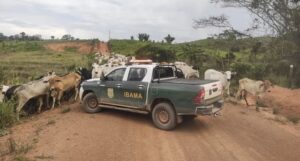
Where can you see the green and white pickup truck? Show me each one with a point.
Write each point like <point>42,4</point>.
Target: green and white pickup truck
<point>155,90</point>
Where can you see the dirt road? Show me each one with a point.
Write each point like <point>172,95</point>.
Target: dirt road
<point>240,134</point>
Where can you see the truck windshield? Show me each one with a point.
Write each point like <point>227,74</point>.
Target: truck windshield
<point>163,72</point>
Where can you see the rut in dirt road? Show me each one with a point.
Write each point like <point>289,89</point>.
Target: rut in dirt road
<point>239,135</point>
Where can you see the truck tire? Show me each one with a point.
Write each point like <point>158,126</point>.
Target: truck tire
<point>90,103</point>
<point>164,116</point>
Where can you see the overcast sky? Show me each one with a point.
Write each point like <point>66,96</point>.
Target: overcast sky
<point>95,18</point>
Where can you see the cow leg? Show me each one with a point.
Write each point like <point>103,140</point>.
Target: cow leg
<point>238,94</point>
<point>40,104</point>
<point>53,102</point>
<point>22,102</point>
<point>245,97</point>
<point>47,100</point>
<point>60,94</point>
<point>257,98</point>
<point>76,93</point>
<point>228,92</point>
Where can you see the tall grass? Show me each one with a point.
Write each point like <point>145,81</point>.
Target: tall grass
<point>7,114</point>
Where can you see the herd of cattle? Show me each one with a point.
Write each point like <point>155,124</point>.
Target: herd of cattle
<point>54,88</point>
<point>42,89</point>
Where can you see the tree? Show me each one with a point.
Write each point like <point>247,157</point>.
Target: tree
<point>194,54</point>
<point>143,37</point>
<point>255,49</point>
<point>131,38</point>
<point>52,37</point>
<point>156,52</point>
<point>22,35</point>
<point>2,37</point>
<point>281,16</point>
<point>67,37</point>
<point>169,39</point>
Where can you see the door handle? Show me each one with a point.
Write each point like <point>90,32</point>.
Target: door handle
<point>118,85</point>
<point>102,85</point>
<point>141,86</point>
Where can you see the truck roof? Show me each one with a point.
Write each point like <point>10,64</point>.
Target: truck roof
<point>144,65</point>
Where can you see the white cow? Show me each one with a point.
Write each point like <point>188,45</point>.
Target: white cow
<point>1,97</point>
<point>114,60</point>
<point>97,70</point>
<point>223,77</point>
<point>4,88</point>
<point>188,71</point>
<point>255,88</point>
<point>33,89</point>
<point>8,92</point>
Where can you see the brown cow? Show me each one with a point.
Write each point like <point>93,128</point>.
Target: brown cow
<point>58,85</point>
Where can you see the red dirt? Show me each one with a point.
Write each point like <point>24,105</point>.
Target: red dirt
<point>83,47</point>
<point>240,134</point>
<point>286,99</point>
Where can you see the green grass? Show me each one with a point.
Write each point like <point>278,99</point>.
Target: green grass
<point>65,110</point>
<point>23,61</point>
<point>19,67</point>
<point>127,47</point>
<point>22,158</point>
<point>293,118</point>
<point>51,122</point>
<point>71,49</point>
<point>276,110</point>
<point>7,115</point>
<point>44,157</point>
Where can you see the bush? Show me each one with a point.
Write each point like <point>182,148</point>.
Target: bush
<point>7,114</point>
<point>71,67</point>
<point>258,71</point>
<point>276,110</point>
<point>71,49</point>
<point>242,69</point>
<point>156,52</point>
<point>33,46</point>
<point>261,103</point>
<point>293,118</point>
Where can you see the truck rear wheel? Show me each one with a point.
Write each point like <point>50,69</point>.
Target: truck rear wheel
<point>90,103</point>
<point>164,116</point>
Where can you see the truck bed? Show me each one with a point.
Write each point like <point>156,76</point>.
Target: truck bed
<point>213,88</point>
<point>188,81</point>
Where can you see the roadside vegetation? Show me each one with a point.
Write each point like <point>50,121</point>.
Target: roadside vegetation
<point>257,58</point>
<point>7,116</point>
<point>22,61</point>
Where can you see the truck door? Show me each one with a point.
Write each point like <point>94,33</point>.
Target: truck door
<point>110,88</point>
<point>135,89</point>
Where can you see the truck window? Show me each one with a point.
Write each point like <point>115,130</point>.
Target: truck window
<point>137,74</point>
<point>163,72</point>
<point>116,75</point>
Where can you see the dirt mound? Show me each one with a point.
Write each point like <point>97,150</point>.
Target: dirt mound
<point>286,99</point>
<point>79,46</point>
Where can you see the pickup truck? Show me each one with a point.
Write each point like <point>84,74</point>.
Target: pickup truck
<point>152,89</point>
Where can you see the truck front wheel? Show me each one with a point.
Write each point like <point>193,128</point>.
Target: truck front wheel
<point>164,116</point>
<point>90,103</point>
